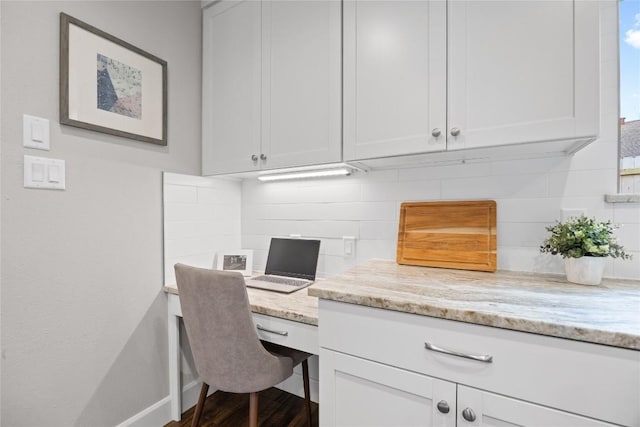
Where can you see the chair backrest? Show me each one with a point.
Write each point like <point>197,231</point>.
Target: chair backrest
<point>226,349</point>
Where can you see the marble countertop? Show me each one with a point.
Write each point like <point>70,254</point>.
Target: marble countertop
<point>297,306</point>
<point>608,314</point>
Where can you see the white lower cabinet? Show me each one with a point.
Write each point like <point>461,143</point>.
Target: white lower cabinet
<point>381,368</point>
<point>358,392</point>
<point>481,408</point>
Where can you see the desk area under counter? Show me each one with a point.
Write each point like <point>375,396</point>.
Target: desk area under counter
<point>286,319</point>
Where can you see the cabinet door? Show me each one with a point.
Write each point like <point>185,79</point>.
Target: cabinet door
<point>488,409</point>
<point>522,71</point>
<point>394,77</point>
<point>301,83</point>
<point>357,392</point>
<point>231,87</point>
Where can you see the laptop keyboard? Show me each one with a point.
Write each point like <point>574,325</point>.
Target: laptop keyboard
<point>282,280</point>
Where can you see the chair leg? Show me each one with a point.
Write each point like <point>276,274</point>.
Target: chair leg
<point>253,410</point>
<point>200,406</point>
<point>307,397</point>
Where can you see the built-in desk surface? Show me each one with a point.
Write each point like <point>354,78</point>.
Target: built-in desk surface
<point>297,306</point>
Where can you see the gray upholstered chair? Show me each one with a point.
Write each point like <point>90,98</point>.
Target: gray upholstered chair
<point>227,352</point>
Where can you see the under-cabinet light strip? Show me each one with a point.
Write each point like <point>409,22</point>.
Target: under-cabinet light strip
<point>305,174</point>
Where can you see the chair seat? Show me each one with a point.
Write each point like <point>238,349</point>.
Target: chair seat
<point>279,350</point>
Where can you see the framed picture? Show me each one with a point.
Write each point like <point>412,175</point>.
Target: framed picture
<point>110,86</point>
<point>238,260</point>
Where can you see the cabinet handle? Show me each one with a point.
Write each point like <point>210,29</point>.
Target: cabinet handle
<point>254,157</point>
<point>455,131</point>
<point>479,357</point>
<point>263,157</point>
<point>273,331</point>
<point>436,133</point>
<point>443,407</point>
<point>469,415</point>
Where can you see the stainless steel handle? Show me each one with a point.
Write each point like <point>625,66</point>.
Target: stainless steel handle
<point>479,357</point>
<point>443,407</point>
<point>468,414</point>
<point>273,331</point>
<point>455,131</point>
<point>254,157</point>
<point>436,133</point>
<point>263,157</point>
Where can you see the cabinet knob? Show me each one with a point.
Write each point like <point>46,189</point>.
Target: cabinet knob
<point>455,131</point>
<point>254,157</point>
<point>468,414</point>
<point>443,407</point>
<point>436,133</point>
<point>263,157</point>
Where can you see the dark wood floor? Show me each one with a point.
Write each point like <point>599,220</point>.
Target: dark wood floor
<point>276,408</point>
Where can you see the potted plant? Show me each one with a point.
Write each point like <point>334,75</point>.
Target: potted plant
<point>583,243</point>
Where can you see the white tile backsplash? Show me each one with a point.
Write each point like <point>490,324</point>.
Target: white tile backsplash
<point>180,194</point>
<point>530,195</point>
<point>418,190</point>
<point>378,230</point>
<point>443,172</point>
<point>627,213</point>
<point>627,268</point>
<point>201,217</point>
<point>577,183</point>
<point>540,210</point>
<point>629,236</point>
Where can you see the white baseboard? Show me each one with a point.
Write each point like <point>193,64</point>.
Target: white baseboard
<point>159,413</point>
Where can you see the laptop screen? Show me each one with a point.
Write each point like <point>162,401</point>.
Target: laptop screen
<point>293,258</point>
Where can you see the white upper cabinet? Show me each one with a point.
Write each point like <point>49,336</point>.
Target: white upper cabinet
<point>231,82</point>
<point>394,78</point>
<point>522,71</point>
<point>301,83</point>
<point>474,73</point>
<point>272,88</point>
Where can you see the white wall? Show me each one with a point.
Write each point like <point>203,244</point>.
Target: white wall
<point>530,195</point>
<point>84,340</point>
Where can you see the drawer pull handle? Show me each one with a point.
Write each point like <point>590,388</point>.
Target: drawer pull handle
<point>469,415</point>
<point>443,407</point>
<point>481,358</point>
<point>273,331</point>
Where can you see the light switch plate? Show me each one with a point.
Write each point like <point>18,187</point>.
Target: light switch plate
<point>44,173</point>
<point>35,132</point>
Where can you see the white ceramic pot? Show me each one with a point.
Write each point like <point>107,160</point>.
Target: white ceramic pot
<point>586,270</point>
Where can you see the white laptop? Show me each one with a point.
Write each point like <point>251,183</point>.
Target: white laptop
<point>291,265</point>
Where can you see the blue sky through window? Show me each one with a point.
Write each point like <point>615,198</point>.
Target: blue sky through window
<point>630,59</point>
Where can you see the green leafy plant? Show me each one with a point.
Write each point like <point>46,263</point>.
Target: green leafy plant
<point>582,236</point>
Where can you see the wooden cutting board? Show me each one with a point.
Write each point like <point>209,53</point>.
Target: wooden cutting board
<point>460,235</point>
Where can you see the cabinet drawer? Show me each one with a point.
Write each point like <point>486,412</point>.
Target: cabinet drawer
<point>287,332</point>
<point>594,380</point>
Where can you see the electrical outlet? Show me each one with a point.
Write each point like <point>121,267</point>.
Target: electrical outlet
<point>349,246</point>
